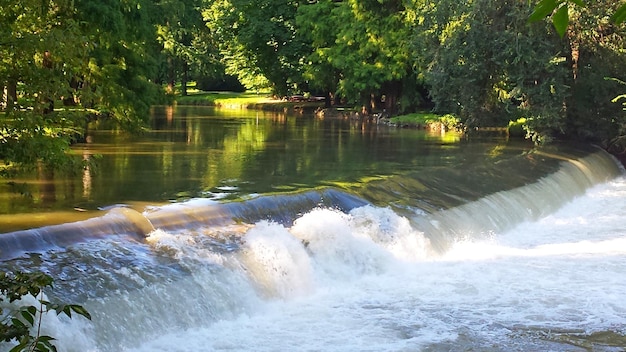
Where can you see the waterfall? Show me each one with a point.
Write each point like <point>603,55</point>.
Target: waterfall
<point>502,210</point>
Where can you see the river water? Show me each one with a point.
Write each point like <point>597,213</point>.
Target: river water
<point>238,232</point>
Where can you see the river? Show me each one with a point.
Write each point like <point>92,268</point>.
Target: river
<point>248,231</point>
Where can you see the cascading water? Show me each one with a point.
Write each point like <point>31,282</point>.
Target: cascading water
<point>413,262</point>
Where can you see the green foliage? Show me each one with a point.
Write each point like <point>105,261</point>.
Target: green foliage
<point>517,128</point>
<point>17,324</point>
<point>41,50</point>
<point>558,10</point>
<point>317,27</point>
<point>598,53</point>
<point>359,48</point>
<point>121,65</point>
<point>485,64</point>
<point>66,63</point>
<point>258,41</point>
<point>187,46</point>
<point>225,99</point>
<point>622,97</point>
<point>619,16</point>
<point>423,119</point>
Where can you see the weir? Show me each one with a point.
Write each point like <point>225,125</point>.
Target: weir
<point>282,208</point>
<point>499,211</point>
<point>444,203</point>
<point>117,222</point>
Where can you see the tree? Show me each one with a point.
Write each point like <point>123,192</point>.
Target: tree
<point>41,51</point>
<point>596,42</point>
<point>483,62</point>
<point>123,62</point>
<point>258,42</point>
<point>317,28</point>
<point>558,11</point>
<point>185,39</point>
<point>67,63</point>
<point>362,47</point>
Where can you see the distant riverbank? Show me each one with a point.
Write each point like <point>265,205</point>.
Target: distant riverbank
<point>263,101</point>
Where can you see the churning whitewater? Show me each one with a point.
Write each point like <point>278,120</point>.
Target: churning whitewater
<point>368,280</point>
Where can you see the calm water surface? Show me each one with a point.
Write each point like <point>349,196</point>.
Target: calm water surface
<point>202,152</point>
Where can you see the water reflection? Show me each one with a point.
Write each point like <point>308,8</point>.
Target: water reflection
<point>86,175</point>
<point>204,152</point>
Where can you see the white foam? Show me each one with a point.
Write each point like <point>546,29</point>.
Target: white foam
<point>276,261</point>
<point>368,281</point>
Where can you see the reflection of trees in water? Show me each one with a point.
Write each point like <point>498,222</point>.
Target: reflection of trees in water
<point>47,187</point>
<point>202,150</point>
<point>86,176</point>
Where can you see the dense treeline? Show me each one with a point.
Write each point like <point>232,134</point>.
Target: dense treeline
<point>65,63</point>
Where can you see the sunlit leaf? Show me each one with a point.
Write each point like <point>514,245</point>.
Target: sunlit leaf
<point>618,98</point>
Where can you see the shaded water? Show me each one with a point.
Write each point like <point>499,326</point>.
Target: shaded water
<point>413,242</point>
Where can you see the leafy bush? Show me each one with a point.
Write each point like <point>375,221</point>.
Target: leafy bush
<point>517,128</point>
<point>424,119</point>
<point>18,324</point>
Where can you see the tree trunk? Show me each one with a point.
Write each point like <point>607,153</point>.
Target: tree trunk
<point>48,101</point>
<point>171,76</point>
<point>184,78</point>
<point>391,92</point>
<point>374,103</point>
<point>11,98</point>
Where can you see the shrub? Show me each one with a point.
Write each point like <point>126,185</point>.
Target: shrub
<point>517,128</point>
<point>17,324</point>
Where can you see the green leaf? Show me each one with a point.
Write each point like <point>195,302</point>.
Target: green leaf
<point>26,315</point>
<point>22,345</point>
<point>542,10</point>
<point>560,20</point>
<point>80,310</point>
<point>44,344</point>
<point>620,15</point>
<point>18,323</point>
<point>66,310</point>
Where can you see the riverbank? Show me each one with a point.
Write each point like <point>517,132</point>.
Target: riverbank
<point>249,100</point>
<point>299,104</point>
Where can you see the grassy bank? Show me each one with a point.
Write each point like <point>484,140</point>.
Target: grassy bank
<point>425,120</point>
<point>260,101</point>
<point>225,99</point>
